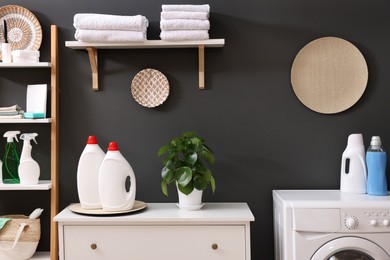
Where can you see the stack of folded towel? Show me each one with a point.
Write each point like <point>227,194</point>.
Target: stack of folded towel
<point>104,28</point>
<point>11,112</point>
<point>185,22</point>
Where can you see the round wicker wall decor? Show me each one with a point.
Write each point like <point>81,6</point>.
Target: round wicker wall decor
<point>24,29</point>
<point>150,88</point>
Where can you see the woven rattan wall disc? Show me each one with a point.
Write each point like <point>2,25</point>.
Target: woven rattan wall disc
<point>329,75</point>
<point>150,88</point>
<point>24,29</point>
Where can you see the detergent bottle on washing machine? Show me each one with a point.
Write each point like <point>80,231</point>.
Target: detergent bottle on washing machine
<point>353,166</point>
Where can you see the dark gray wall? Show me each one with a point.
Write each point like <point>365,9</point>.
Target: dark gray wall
<point>263,137</point>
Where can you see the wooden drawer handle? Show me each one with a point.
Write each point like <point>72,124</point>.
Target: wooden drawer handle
<point>93,246</point>
<point>214,246</point>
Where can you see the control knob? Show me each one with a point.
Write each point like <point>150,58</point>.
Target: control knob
<point>386,222</point>
<point>373,222</point>
<point>351,222</point>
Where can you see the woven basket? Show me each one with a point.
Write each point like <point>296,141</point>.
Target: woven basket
<point>23,247</point>
<point>31,233</point>
<point>150,88</point>
<point>24,29</point>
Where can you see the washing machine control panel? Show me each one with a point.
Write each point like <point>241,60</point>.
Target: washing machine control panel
<point>365,220</point>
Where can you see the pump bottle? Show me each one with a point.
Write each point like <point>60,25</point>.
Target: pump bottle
<point>29,170</point>
<point>376,164</point>
<point>11,159</point>
<point>87,174</point>
<point>113,175</point>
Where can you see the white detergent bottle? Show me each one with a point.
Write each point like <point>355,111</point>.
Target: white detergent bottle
<point>353,166</point>
<point>87,174</point>
<point>114,172</point>
<point>29,170</point>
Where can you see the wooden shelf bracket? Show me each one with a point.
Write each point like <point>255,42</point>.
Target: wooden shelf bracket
<point>93,60</point>
<point>201,66</point>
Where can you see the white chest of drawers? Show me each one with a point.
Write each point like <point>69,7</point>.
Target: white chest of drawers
<point>219,231</point>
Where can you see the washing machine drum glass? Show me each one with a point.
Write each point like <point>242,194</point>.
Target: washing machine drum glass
<point>351,255</point>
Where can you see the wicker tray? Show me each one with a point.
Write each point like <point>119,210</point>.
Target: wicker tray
<point>150,88</point>
<point>24,29</point>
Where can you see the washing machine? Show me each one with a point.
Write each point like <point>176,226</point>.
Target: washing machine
<point>330,225</point>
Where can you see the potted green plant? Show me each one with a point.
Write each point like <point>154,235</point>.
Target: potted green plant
<point>184,159</point>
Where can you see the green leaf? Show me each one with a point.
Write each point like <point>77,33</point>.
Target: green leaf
<point>183,175</point>
<point>212,182</point>
<point>200,183</point>
<point>208,155</point>
<point>191,158</point>
<point>163,150</point>
<point>167,174</point>
<point>186,189</point>
<point>188,134</point>
<point>164,187</point>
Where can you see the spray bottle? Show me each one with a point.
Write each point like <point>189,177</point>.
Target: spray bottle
<point>11,159</point>
<point>29,170</point>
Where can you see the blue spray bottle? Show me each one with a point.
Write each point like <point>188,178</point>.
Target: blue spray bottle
<point>11,159</point>
<point>376,165</point>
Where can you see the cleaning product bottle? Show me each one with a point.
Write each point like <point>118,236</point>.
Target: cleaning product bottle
<point>87,174</point>
<point>1,171</point>
<point>114,172</point>
<point>11,159</point>
<point>29,170</point>
<point>353,166</point>
<point>376,163</point>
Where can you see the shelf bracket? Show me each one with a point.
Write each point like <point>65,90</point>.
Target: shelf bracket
<point>93,60</point>
<point>201,66</point>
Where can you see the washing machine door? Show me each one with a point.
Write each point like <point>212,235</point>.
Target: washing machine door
<point>350,248</point>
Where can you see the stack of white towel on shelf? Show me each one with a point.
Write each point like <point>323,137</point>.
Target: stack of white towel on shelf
<point>105,28</point>
<point>185,22</point>
<point>12,112</point>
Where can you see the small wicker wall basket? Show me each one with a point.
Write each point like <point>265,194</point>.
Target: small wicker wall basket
<point>23,28</point>
<point>150,88</point>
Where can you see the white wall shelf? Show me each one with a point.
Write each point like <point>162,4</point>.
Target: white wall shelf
<point>24,121</point>
<point>42,185</point>
<point>92,49</point>
<point>42,255</point>
<point>26,65</point>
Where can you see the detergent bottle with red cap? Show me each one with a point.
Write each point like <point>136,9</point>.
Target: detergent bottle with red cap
<point>117,185</point>
<point>87,174</point>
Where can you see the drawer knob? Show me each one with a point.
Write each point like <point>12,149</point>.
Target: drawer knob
<point>93,246</point>
<point>214,246</point>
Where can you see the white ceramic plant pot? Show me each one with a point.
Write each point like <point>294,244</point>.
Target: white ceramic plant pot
<point>192,201</point>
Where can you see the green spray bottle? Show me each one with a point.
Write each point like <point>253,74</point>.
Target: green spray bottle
<point>11,159</point>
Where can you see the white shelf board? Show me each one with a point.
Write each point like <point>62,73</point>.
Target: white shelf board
<point>26,65</point>
<point>41,256</point>
<point>24,120</point>
<point>148,44</point>
<point>42,185</point>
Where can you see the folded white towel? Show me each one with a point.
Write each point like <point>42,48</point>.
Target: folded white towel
<point>188,8</point>
<point>180,35</point>
<point>184,15</point>
<point>13,108</point>
<point>184,24</point>
<point>109,36</point>
<point>110,22</point>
